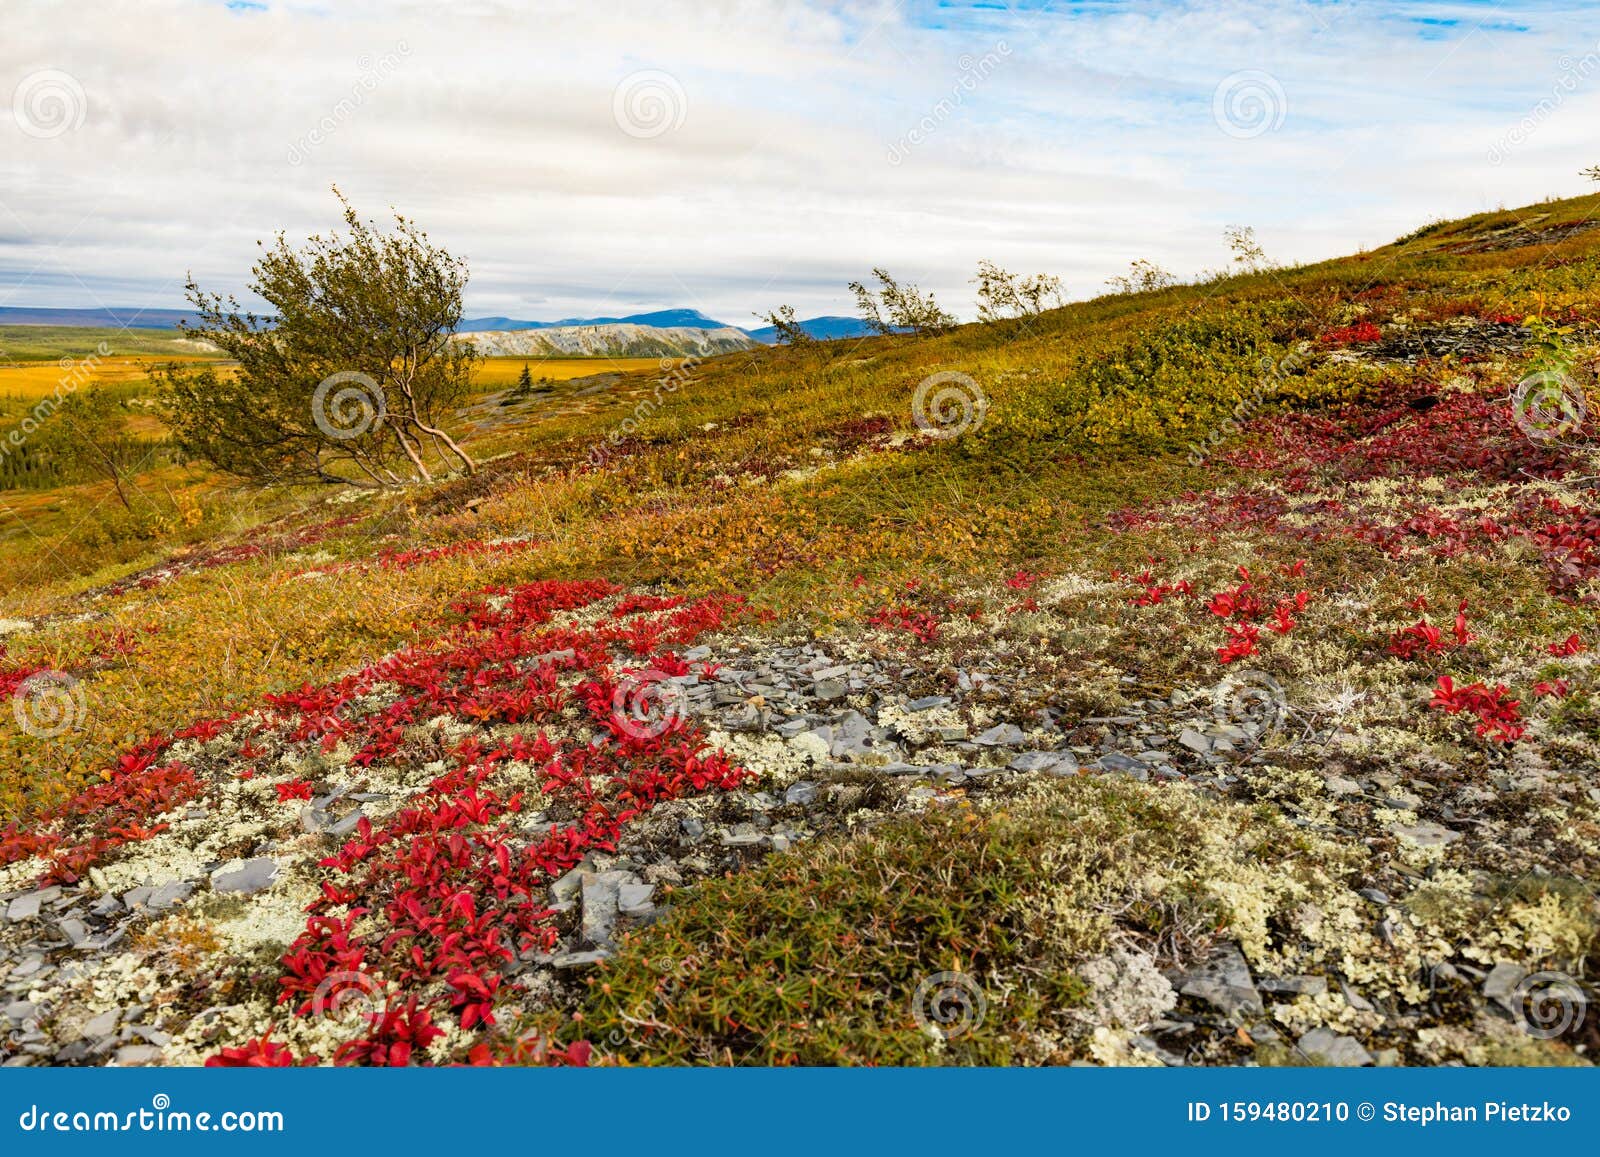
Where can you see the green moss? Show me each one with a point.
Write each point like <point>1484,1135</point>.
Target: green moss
<point>832,951</point>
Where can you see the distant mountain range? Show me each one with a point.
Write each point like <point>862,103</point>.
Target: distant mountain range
<point>98,318</point>
<point>660,319</point>
<point>662,333</point>
<point>825,328</point>
<point>613,339</point>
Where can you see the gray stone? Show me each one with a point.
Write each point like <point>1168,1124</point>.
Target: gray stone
<point>829,690</point>
<point>172,893</point>
<point>1116,761</point>
<point>1354,999</point>
<point>1323,1046</point>
<point>1501,983</point>
<point>138,1055</point>
<point>347,825</point>
<point>565,890</point>
<point>1426,834</point>
<point>933,770</point>
<point>1223,981</point>
<point>928,703</point>
<point>103,1025</point>
<point>691,827</point>
<point>742,836</point>
<point>24,907</point>
<point>851,735</point>
<point>20,1010</point>
<point>74,930</point>
<point>106,905</point>
<point>1293,985</point>
<point>634,899</point>
<point>77,1051</point>
<point>1148,1045</point>
<point>1001,735</point>
<point>565,960</point>
<point>801,793</point>
<point>1035,761</point>
<point>1119,764</point>
<point>601,895</point>
<point>250,877</point>
<point>1194,741</point>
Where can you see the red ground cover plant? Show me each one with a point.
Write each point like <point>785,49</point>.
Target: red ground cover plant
<point>422,912</point>
<point>75,835</point>
<point>459,891</point>
<point>1435,448</point>
<point>1497,714</point>
<point>1423,637</point>
<point>1571,645</point>
<point>920,625</point>
<point>1241,607</point>
<point>260,543</point>
<point>1361,333</point>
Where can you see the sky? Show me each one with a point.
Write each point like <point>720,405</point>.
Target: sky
<point>599,159</point>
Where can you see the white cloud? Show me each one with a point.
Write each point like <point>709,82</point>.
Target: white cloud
<point>1088,139</point>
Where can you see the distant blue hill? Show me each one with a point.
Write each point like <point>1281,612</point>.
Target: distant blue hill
<point>821,328</point>
<point>99,318</point>
<point>660,319</point>
<point>169,318</point>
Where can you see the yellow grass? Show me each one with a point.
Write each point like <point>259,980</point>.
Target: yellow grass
<point>29,381</point>
<point>493,373</point>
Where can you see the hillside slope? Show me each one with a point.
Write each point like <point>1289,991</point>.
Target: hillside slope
<point>1204,676</point>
